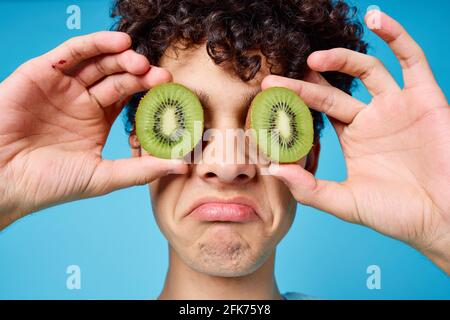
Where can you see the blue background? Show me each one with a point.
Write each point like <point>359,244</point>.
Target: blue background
<point>114,239</point>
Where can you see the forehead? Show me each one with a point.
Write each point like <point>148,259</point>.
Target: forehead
<point>196,70</point>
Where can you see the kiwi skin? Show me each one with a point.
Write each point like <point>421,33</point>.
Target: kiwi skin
<point>143,122</point>
<point>308,117</point>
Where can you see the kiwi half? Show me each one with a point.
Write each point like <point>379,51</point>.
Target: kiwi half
<point>169,121</point>
<point>282,123</point>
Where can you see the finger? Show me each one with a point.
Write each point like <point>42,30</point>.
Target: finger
<point>370,70</point>
<point>78,49</point>
<point>329,196</point>
<point>118,87</point>
<point>332,101</point>
<point>99,67</point>
<point>411,56</point>
<point>112,175</point>
<point>315,77</point>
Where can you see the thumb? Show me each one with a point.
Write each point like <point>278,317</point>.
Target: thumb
<point>332,197</point>
<point>111,175</point>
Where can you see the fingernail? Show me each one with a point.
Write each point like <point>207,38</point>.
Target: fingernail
<point>269,81</point>
<point>373,18</point>
<point>162,74</point>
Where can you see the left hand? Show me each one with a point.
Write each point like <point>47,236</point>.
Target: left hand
<point>396,148</point>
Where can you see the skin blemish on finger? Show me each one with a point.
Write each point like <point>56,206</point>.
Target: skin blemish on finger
<point>60,62</point>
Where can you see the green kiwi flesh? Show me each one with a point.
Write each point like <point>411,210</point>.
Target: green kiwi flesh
<point>169,121</point>
<point>283,124</point>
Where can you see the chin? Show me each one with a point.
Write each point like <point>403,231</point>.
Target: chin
<point>225,257</point>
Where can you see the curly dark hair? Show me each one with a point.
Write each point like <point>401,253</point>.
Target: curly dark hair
<point>286,32</point>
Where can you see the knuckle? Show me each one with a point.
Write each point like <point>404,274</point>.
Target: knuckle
<point>72,40</point>
<point>372,64</point>
<point>81,80</point>
<point>328,102</point>
<point>73,49</point>
<point>100,67</point>
<point>373,61</point>
<point>120,88</point>
<point>413,58</point>
<point>343,61</point>
<point>299,89</point>
<point>79,47</point>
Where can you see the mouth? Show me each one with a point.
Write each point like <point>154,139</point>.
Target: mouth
<point>239,209</point>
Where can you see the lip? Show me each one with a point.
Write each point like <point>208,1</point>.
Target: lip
<point>238,209</point>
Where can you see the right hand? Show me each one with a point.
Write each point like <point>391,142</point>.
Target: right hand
<point>57,111</point>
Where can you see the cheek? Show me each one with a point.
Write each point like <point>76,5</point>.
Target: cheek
<point>286,197</point>
<point>288,201</point>
<point>165,194</point>
<point>283,206</point>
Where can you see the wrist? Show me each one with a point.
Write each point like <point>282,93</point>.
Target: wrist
<point>9,209</point>
<point>439,253</point>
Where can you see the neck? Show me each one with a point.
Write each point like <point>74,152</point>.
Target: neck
<point>185,283</point>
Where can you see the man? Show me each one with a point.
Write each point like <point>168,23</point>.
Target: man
<point>58,110</point>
